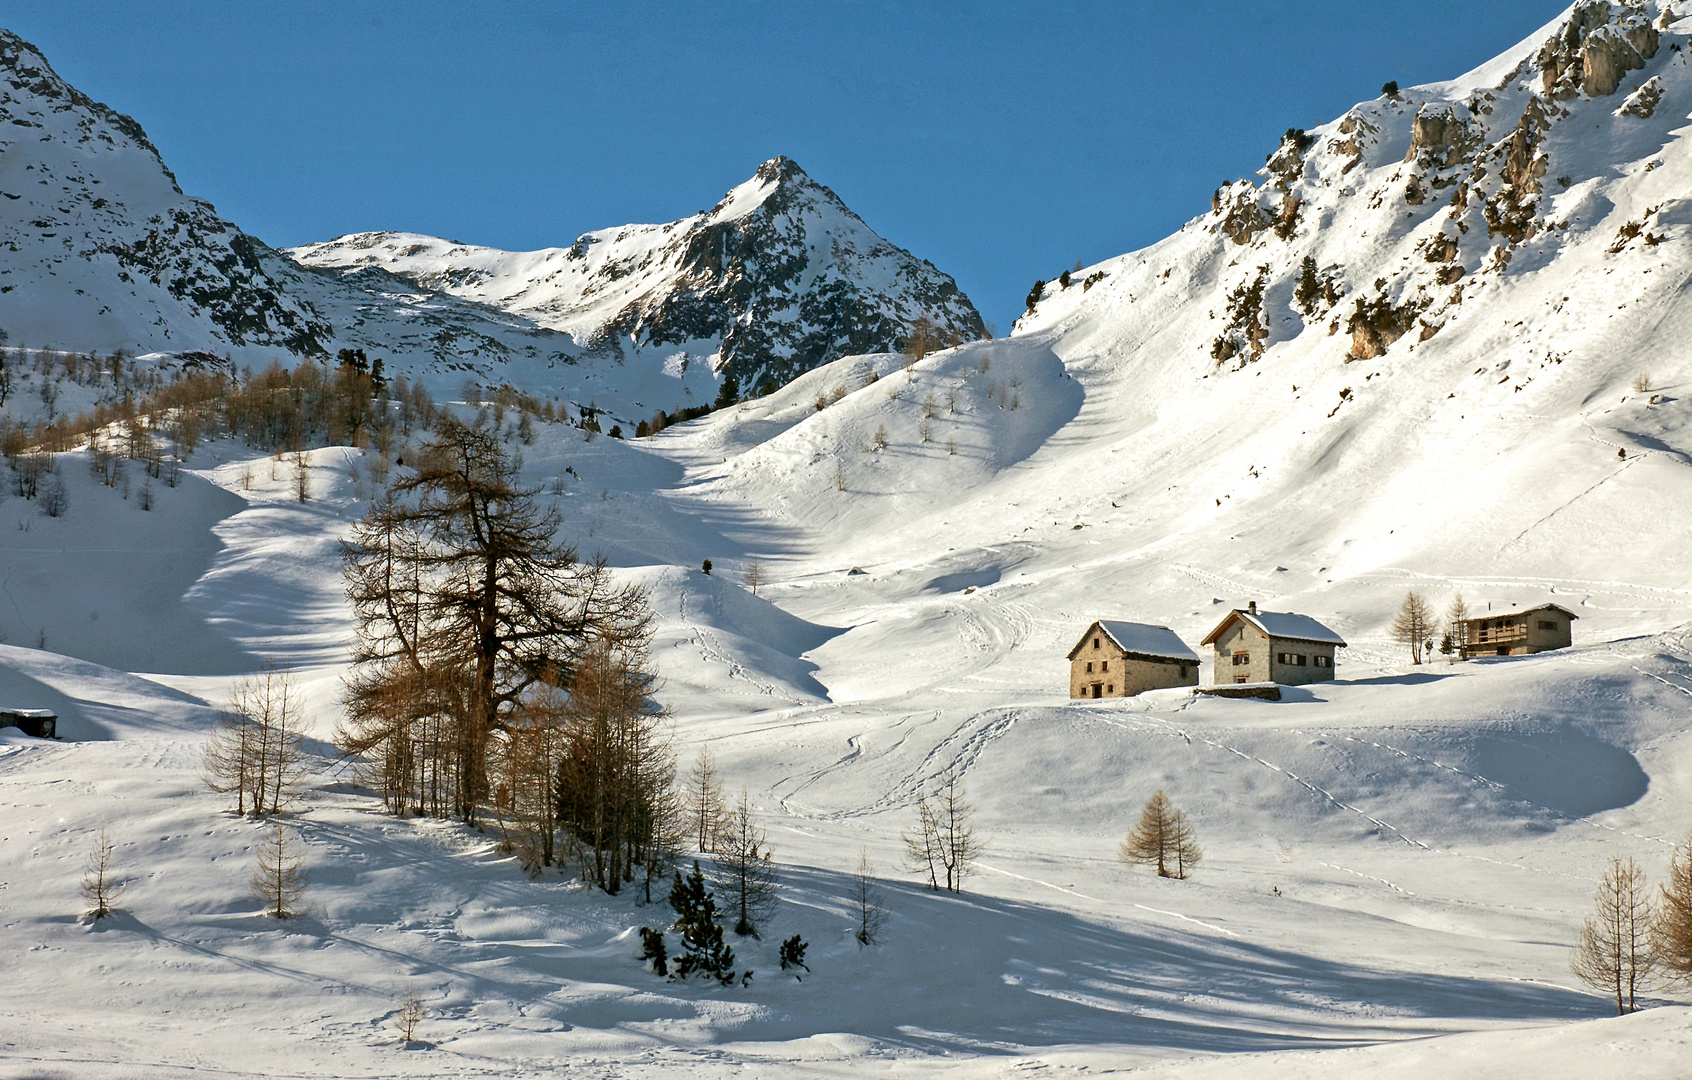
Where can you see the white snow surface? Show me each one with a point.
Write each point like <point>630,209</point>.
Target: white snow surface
<point>1396,863</point>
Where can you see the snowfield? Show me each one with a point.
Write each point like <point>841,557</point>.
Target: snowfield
<point>1395,863</point>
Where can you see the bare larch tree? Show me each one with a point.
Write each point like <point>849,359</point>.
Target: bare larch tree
<point>616,771</point>
<point>943,846</point>
<point>704,797</point>
<point>279,879</point>
<point>1614,953</point>
<point>1671,936</point>
<point>745,869</point>
<point>869,902</point>
<point>1415,625</point>
<point>254,751</point>
<point>98,888</point>
<point>1162,838</point>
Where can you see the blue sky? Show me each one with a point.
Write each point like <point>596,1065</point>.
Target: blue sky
<point>1000,141</point>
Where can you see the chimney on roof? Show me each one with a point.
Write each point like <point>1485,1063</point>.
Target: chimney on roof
<point>1252,607</point>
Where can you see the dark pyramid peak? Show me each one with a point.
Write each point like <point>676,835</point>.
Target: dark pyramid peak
<point>29,74</point>
<point>781,169</point>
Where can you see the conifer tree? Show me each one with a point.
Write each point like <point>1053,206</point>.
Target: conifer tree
<point>701,935</point>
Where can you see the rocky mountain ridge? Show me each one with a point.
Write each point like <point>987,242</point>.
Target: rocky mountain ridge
<point>104,251</point>
<point>776,278</point>
<point>1415,203</point>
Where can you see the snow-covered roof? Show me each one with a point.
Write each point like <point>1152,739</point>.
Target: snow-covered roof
<point>1482,616</point>
<point>34,714</point>
<point>1280,624</point>
<point>1142,638</point>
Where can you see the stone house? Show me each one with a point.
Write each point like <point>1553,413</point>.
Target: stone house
<point>1516,633</point>
<point>1121,659</point>
<point>1255,646</point>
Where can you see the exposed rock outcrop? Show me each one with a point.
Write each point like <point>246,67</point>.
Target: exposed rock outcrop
<point>1439,136</point>
<point>1239,215</point>
<point>1643,101</point>
<point>1376,323</point>
<point>1594,49</point>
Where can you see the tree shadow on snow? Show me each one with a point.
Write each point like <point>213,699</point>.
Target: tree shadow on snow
<point>981,973</point>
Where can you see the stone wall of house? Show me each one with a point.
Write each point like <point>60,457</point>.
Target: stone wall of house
<point>1318,663</point>
<point>1102,665</point>
<point>1120,675</point>
<point>1241,637</point>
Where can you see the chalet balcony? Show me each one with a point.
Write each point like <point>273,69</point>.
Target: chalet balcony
<point>1504,636</point>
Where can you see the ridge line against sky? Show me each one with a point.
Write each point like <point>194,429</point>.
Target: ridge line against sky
<point>1001,142</point>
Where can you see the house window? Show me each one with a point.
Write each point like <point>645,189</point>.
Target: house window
<point>1239,678</point>
<point>1183,671</point>
<point>1298,660</point>
<point>1242,659</point>
<point>1545,625</point>
<point>1095,643</point>
<point>1110,688</point>
<point>1104,665</point>
<point>1089,667</point>
<point>1324,661</point>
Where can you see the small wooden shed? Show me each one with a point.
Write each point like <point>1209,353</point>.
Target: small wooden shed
<point>1121,659</point>
<point>1516,633</point>
<point>41,723</point>
<point>1283,647</point>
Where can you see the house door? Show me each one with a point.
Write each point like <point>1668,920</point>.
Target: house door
<point>1098,690</point>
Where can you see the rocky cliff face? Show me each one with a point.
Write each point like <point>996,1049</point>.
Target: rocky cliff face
<point>1422,204</point>
<point>776,278</point>
<point>97,232</point>
<point>104,251</point>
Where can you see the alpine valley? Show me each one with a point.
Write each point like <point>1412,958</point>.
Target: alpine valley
<point>1441,344</point>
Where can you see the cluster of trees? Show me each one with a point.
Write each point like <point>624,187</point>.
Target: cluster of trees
<point>1417,626</point>
<point>496,669</point>
<point>254,751</point>
<point>1632,942</point>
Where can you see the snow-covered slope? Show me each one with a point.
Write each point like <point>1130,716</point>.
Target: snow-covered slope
<point>775,279</point>
<point>1490,364</point>
<point>1402,853</point>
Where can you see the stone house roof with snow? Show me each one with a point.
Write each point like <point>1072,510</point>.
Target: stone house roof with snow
<point>1278,624</point>
<point>1143,639</point>
<point>1116,659</point>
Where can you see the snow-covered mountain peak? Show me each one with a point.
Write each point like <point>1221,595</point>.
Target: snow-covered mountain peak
<point>105,251</point>
<point>776,278</point>
<point>745,199</point>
